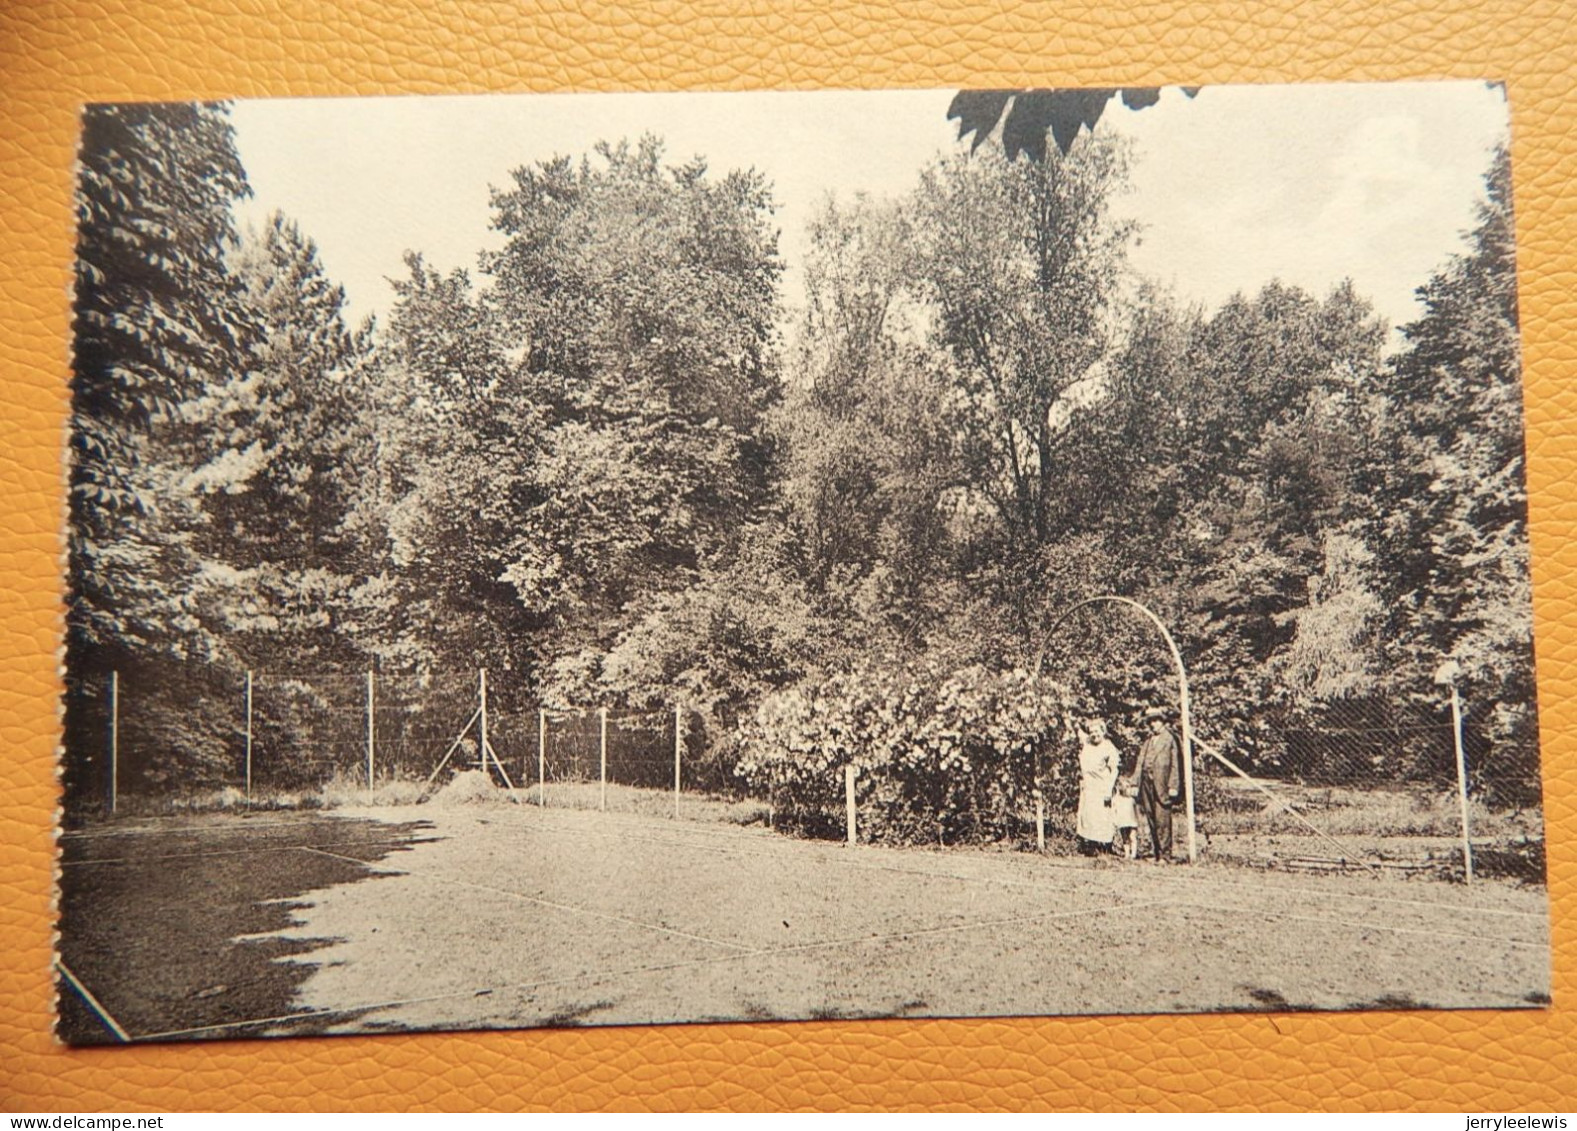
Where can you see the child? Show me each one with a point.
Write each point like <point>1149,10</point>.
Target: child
<point>1125,818</point>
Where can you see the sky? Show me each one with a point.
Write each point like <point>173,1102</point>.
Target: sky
<point>1240,185</point>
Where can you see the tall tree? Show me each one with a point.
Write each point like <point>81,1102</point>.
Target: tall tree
<point>275,456</point>
<point>154,320</point>
<point>640,299</point>
<point>867,454</point>
<point>1211,469</point>
<point>454,477</point>
<point>1457,544</point>
<point>1021,261</point>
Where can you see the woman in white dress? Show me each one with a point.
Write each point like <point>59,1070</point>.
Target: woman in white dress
<point>1097,782</point>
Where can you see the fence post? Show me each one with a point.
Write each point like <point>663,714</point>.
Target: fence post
<point>370,730</point>
<point>114,740</point>
<point>481,684</point>
<point>1456,731</point>
<point>247,771</point>
<point>850,816</point>
<point>602,719</point>
<point>542,758</point>
<point>1188,758</point>
<point>678,739</point>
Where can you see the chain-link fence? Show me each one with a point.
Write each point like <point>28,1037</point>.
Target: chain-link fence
<point>621,748</point>
<point>165,727</point>
<point>1430,784</point>
<point>1374,783</point>
<point>168,735</point>
<point>307,728</point>
<point>979,795</point>
<point>173,733</point>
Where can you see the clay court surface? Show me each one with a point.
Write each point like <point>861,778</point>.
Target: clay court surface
<point>504,916</point>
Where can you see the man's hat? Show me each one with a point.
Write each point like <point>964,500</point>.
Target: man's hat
<point>1154,713</point>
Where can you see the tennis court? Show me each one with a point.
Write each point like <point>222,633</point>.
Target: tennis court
<point>504,915</point>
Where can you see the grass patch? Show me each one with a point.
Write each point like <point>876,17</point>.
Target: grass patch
<point>226,799</point>
<point>344,790</point>
<point>339,792</point>
<point>646,802</point>
<point>1383,811</point>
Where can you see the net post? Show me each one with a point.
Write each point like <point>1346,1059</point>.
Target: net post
<point>678,741</point>
<point>542,758</point>
<point>481,691</point>
<point>1040,822</point>
<point>850,815</point>
<point>1456,732</point>
<point>370,731</point>
<point>114,740</point>
<point>247,769</point>
<point>602,720</point>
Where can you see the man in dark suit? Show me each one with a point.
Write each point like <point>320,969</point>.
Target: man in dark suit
<point>1160,776</point>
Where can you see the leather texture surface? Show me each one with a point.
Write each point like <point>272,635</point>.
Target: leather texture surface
<point>55,55</point>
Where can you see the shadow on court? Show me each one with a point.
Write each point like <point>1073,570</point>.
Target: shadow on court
<point>172,925</point>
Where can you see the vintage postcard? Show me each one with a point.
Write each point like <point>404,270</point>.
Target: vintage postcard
<point>624,559</point>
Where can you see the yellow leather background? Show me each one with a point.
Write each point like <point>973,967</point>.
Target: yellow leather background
<point>54,55</point>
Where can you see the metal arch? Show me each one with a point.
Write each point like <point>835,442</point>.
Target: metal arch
<point>1182,684</point>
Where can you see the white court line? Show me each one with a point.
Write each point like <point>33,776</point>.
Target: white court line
<point>837,855</point>
<point>1220,909</point>
<point>824,853</point>
<point>249,851</point>
<point>92,1002</point>
<point>923,932</point>
<point>304,1015</point>
<point>1434,905</point>
<point>535,899</point>
<point>238,825</point>
<point>596,977</point>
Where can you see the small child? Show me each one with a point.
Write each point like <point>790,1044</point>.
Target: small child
<point>1125,817</point>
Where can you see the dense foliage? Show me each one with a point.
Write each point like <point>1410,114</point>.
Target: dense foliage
<point>610,469</point>
<point>939,756</point>
<point>154,323</point>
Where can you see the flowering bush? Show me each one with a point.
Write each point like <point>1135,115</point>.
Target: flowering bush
<point>939,756</point>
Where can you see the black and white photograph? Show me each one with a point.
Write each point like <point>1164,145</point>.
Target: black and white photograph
<point>538,561</point>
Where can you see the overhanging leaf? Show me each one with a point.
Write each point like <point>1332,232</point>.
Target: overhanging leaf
<point>1138,97</point>
<point>978,112</point>
<point>1034,113</point>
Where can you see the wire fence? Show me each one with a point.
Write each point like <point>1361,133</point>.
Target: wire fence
<point>630,748</point>
<point>654,762</point>
<point>301,729</point>
<point>1431,782</point>
<point>171,733</point>
<point>1366,782</point>
<point>1421,786</point>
